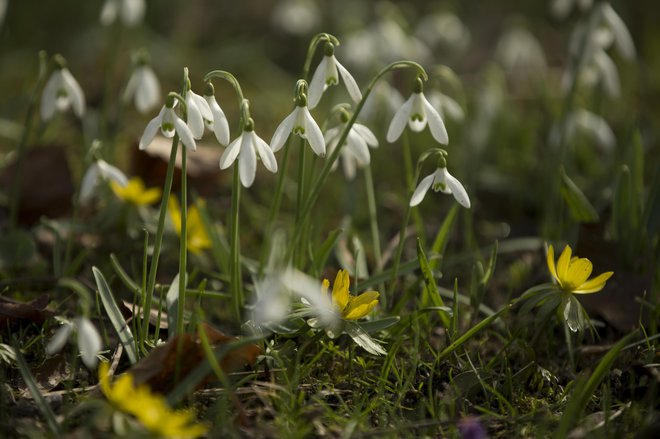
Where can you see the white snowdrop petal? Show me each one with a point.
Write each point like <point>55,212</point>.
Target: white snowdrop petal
<point>457,190</point>
<point>351,85</point>
<point>317,84</point>
<point>89,341</point>
<point>247,160</point>
<point>313,133</point>
<point>283,130</point>
<point>49,95</point>
<point>150,132</point>
<point>132,12</point>
<point>231,152</point>
<point>366,134</point>
<point>436,125</point>
<point>266,154</point>
<point>74,92</point>
<point>112,173</point>
<point>59,339</point>
<point>453,109</point>
<point>147,94</point>
<point>399,121</point>
<point>185,134</point>
<point>349,165</point>
<point>195,119</point>
<point>608,73</point>
<point>421,190</point>
<point>358,147</point>
<point>622,38</point>
<point>203,106</point>
<point>108,12</point>
<point>219,122</point>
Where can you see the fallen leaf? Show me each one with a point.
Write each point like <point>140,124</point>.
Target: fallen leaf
<point>129,310</point>
<point>13,312</point>
<point>158,369</point>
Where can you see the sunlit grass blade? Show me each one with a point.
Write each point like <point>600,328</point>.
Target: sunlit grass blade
<point>578,203</point>
<point>430,285</point>
<point>441,239</point>
<point>116,318</point>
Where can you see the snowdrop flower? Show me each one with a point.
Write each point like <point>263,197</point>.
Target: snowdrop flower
<point>169,123</point>
<point>143,87</point>
<point>199,111</point>
<point>326,75</point>
<point>446,105</point>
<point>104,170</point>
<point>297,17</point>
<point>561,8</point>
<point>417,112</point>
<point>299,122</point>
<point>88,338</point>
<point>218,122</point>
<point>3,10</point>
<point>355,152</point>
<point>131,12</point>
<point>61,91</point>
<point>441,180</point>
<point>246,147</point>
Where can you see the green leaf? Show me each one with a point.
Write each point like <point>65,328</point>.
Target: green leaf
<point>363,339</point>
<point>585,388</point>
<point>578,204</point>
<point>116,318</point>
<point>172,301</point>
<point>322,254</point>
<point>441,239</point>
<point>380,324</point>
<point>125,278</point>
<point>429,282</point>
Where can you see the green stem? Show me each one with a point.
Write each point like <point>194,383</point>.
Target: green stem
<point>373,218</point>
<point>25,135</point>
<point>325,171</point>
<point>236,289</point>
<point>408,165</point>
<point>183,245</point>
<point>301,196</point>
<point>569,346</point>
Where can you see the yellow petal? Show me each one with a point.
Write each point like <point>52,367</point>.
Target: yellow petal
<point>594,285</point>
<point>175,213</point>
<point>361,305</point>
<point>578,272</point>
<point>340,292</point>
<point>563,264</point>
<point>149,196</point>
<point>550,260</point>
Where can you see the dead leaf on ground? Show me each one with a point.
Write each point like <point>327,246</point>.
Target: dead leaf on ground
<point>129,309</point>
<point>13,312</point>
<point>159,367</point>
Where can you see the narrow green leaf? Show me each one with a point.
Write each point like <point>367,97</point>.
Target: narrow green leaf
<point>116,318</point>
<point>172,302</point>
<point>585,388</point>
<point>322,254</point>
<point>429,282</point>
<point>578,204</point>
<point>380,324</point>
<point>39,399</point>
<point>441,239</point>
<point>125,278</point>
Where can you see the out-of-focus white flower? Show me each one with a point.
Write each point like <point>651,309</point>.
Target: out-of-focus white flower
<point>246,147</point>
<point>296,17</point>
<point>130,12</point>
<point>441,180</point>
<point>3,10</point>
<point>100,168</point>
<point>143,87</point>
<point>218,123</point>
<point>327,74</point>
<point>169,123</point>
<point>355,152</point>
<point>446,105</point>
<point>622,38</point>
<point>416,112</point>
<point>311,291</point>
<point>61,91</point>
<point>199,111</point>
<point>591,125</point>
<point>445,30</point>
<point>383,98</point>
<point>88,338</point>
<point>518,49</point>
<point>299,122</point>
<point>561,8</point>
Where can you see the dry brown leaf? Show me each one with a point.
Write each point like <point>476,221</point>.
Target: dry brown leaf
<point>13,312</point>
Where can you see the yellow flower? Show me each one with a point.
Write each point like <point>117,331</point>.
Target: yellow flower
<point>135,192</point>
<point>150,409</point>
<point>350,307</point>
<point>571,274</point>
<point>197,238</point>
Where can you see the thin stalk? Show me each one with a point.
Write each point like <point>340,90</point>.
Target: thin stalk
<point>373,218</point>
<point>183,245</point>
<point>569,346</point>
<point>301,195</point>
<point>20,148</point>
<point>408,166</point>
<point>236,288</point>
<point>160,229</point>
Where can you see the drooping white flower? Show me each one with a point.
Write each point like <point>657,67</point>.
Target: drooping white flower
<point>61,91</point>
<point>169,123</point>
<point>144,88</point>
<point>561,8</point>
<point>100,168</point>
<point>441,180</point>
<point>355,152</point>
<point>199,111</point>
<point>299,122</point>
<point>88,338</point>
<point>327,74</point>
<point>218,123</point>
<point>246,147</point>
<point>417,112</point>
<point>130,12</point>
<point>446,105</point>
